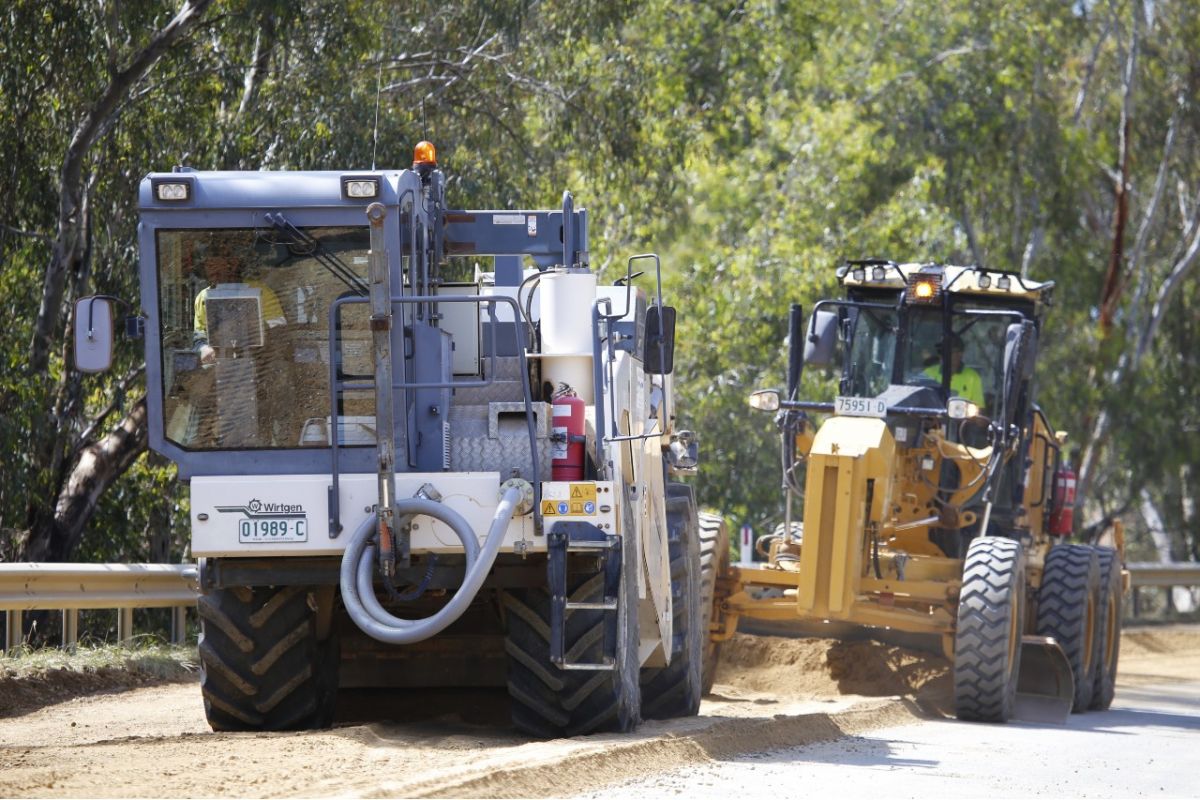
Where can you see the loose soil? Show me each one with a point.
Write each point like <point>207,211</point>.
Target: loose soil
<point>771,692</point>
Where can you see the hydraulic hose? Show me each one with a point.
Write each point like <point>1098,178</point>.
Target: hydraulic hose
<point>358,563</point>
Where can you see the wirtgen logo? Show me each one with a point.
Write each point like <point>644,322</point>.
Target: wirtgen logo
<point>257,508</point>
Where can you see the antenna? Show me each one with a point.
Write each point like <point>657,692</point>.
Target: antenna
<point>378,91</point>
<point>424,124</point>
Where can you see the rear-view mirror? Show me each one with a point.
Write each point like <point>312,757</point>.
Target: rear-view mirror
<point>822,338</point>
<point>659,353</point>
<point>93,334</point>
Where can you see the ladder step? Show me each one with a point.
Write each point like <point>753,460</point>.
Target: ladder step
<point>606,605</point>
<point>576,667</point>
<point>577,546</point>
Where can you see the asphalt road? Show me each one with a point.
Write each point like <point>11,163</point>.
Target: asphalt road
<point>1147,745</point>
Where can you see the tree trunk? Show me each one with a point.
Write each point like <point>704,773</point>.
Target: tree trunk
<point>96,467</point>
<point>1114,279</point>
<point>65,254</point>
<point>63,498</point>
<point>1187,507</point>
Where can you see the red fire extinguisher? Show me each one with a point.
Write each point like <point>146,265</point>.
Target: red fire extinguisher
<point>568,414</point>
<point>1062,503</point>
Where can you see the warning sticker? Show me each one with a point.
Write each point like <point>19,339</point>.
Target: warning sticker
<point>580,503</point>
<point>508,219</point>
<point>581,492</point>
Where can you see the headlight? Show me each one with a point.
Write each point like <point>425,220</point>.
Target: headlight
<point>765,400</point>
<point>360,188</point>
<point>169,191</point>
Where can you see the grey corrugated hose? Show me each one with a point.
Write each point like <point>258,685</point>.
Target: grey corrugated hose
<point>358,565</point>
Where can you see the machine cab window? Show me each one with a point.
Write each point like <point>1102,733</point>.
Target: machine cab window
<point>879,356</point>
<point>245,335</point>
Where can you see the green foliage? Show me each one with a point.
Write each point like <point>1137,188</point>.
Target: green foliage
<point>754,144</point>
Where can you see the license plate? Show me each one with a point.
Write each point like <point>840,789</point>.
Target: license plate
<point>272,529</point>
<point>860,407</point>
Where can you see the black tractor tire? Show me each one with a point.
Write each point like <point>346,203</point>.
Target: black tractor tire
<point>261,665</point>
<point>1068,606</point>
<point>547,701</point>
<point>987,641</point>
<point>674,690</point>
<point>714,558</point>
<point>1109,635</point>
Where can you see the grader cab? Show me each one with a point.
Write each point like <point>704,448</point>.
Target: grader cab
<point>936,500</point>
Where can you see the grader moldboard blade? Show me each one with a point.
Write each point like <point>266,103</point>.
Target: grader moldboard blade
<point>1045,687</point>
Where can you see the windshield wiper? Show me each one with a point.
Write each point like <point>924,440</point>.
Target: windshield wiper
<point>295,237</point>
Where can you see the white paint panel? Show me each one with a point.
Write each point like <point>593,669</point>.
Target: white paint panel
<point>226,501</point>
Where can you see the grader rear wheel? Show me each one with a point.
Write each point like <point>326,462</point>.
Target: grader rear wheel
<point>674,690</point>
<point>1068,610</point>
<point>1108,647</point>
<point>714,557</point>
<point>987,643</point>
<point>261,665</point>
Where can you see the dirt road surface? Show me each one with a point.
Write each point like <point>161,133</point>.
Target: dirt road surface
<point>1143,747</point>
<point>771,694</point>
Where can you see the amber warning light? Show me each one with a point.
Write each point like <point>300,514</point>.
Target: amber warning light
<point>424,155</point>
<point>925,289</point>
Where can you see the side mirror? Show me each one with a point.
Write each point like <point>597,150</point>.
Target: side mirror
<point>659,353</point>
<point>822,338</point>
<point>93,334</point>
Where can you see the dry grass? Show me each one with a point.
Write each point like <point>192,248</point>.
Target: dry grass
<point>149,659</point>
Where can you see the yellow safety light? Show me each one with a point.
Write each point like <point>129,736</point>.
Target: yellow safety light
<point>925,289</point>
<point>424,155</point>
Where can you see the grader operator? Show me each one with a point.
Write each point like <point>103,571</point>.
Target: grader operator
<point>936,498</point>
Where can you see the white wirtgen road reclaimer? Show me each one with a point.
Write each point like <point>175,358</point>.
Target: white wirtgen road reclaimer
<point>398,480</point>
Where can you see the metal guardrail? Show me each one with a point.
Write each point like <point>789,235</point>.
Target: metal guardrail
<point>1153,573</point>
<point>72,587</point>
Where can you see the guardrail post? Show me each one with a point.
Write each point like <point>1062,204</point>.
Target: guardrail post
<point>125,625</point>
<point>70,629</point>
<point>1137,603</point>
<point>13,623</point>
<point>178,624</point>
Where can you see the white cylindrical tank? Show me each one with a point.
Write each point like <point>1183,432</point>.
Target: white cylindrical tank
<point>565,303</point>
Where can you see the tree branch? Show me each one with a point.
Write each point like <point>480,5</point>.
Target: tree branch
<point>86,133</point>
<point>1088,71</point>
<point>1136,265</point>
<point>1110,295</point>
<point>41,237</point>
<point>1168,288</point>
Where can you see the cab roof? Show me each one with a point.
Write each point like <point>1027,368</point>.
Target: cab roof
<point>954,279</point>
<point>266,189</point>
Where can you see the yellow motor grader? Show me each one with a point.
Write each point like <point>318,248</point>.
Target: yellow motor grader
<point>936,499</point>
